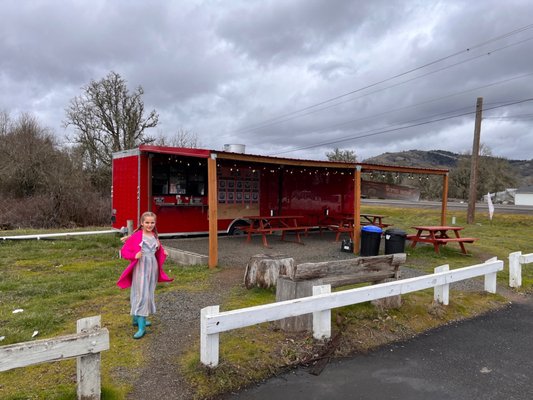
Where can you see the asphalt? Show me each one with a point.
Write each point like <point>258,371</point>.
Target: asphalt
<point>489,358</point>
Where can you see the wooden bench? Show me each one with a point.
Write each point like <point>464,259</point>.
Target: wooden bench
<point>300,280</point>
<point>461,239</point>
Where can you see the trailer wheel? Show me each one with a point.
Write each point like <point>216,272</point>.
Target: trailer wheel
<point>236,228</point>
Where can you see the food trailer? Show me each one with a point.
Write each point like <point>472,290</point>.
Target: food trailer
<point>201,191</point>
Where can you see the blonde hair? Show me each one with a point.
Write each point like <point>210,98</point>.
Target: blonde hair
<point>143,217</point>
<point>147,214</point>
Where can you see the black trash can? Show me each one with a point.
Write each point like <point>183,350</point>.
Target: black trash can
<point>395,241</point>
<point>370,239</point>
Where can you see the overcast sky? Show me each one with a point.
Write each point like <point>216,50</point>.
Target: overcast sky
<point>294,78</point>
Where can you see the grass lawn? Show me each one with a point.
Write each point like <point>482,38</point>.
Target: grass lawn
<point>59,281</point>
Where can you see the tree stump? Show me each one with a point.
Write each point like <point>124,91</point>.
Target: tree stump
<point>263,270</point>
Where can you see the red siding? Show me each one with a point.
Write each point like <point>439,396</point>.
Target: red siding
<point>124,199</point>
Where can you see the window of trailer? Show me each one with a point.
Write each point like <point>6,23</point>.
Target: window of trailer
<point>182,176</point>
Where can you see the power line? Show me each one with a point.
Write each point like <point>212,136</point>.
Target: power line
<point>394,129</point>
<point>391,86</point>
<point>505,35</point>
<point>389,111</point>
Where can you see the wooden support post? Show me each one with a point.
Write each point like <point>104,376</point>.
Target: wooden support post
<point>472,195</point>
<point>515,269</point>
<point>444,200</point>
<point>287,289</point>
<point>357,210</point>
<point>441,293</point>
<point>209,344</point>
<point>322,319</point>
<point>88,366</point>
<point>212,199</point>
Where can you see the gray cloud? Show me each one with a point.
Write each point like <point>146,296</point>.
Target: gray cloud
<point>240,71</point>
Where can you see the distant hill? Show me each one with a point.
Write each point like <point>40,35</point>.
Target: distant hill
<point>446,159</point>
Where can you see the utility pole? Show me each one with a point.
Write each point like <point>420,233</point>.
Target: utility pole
<point>472,195</point>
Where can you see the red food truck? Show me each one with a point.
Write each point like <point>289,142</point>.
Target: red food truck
<point>173,182</point>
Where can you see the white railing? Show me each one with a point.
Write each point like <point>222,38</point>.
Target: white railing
<point>320,304</point>
<point>516,260</point>
<point>39,236</point>
<point>86,346</point>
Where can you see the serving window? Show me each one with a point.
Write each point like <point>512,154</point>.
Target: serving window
<point>181,176</point>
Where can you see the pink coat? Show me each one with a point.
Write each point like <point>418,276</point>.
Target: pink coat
<point>129,250</point>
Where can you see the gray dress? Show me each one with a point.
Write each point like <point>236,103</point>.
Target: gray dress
<point>144,279</point>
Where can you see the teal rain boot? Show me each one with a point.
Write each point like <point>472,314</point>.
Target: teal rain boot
<point>134,321</point>
<point>141,322</point>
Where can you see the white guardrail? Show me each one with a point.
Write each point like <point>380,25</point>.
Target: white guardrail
<point>86,346</point>
<point>320,304</point>
<point>516,260</point>
<point>39,236</point>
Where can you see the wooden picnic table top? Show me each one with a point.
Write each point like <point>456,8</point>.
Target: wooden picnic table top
<point>373,215</point>
<point>268,224</point>
<point>437,228</point>
<point>272,217</point>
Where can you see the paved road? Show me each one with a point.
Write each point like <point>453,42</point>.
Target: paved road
<point>480,207</point>
<point>489,358</point>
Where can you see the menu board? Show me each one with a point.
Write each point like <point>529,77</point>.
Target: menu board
<point>238,186</point>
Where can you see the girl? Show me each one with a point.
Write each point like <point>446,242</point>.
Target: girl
<point>147,256</point>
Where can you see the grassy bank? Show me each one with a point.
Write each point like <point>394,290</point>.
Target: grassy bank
<point>57,282</point>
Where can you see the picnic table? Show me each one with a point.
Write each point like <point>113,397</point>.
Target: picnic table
<point>345,223</point>
<point>439,235</point>
<point>374,219</point>
<point>267,225</point>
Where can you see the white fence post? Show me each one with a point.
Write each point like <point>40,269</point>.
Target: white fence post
<point>515,269</point>
<point>208,342</point>
<point>322,319</point>
<point>88,366</point>
<point>85,345</point>
<point>441,293</point>
<point>491,278</point>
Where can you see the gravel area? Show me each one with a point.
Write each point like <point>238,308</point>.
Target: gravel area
<point>234,252</point>
<point>176,326</point>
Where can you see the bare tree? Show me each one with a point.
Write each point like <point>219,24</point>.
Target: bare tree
<point>4,122</point>
<point>27,157</point>
<point>495,174</point>
<point>342,155</point>
<point>108,118</point>
<point>41,184</point>
<point>182,138</point>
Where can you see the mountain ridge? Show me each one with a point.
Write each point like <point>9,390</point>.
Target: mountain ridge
<point>447,159</point>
